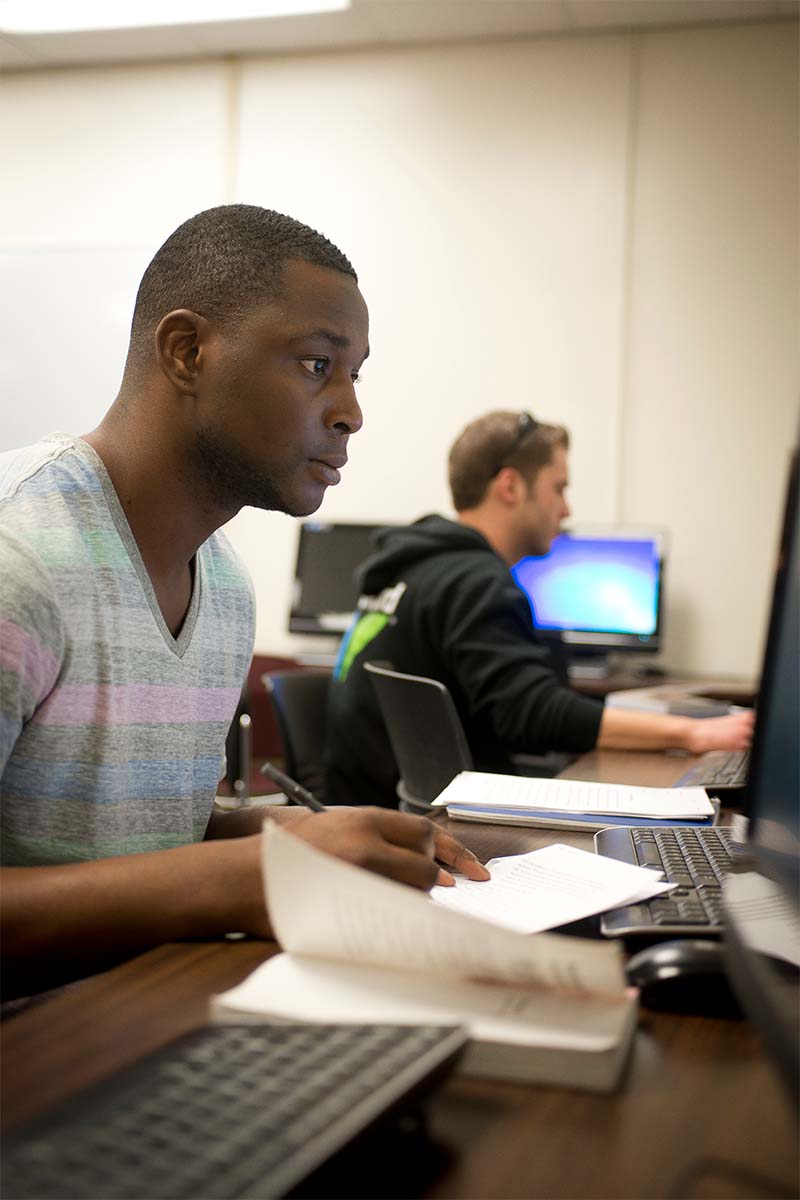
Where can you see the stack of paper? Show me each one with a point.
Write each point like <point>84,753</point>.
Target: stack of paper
<point>567,803</point>
<point>550,887</point>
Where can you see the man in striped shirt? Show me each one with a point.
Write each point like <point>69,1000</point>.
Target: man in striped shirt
<point>126,619</point>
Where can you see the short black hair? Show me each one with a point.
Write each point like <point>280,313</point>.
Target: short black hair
<point>223,262</point>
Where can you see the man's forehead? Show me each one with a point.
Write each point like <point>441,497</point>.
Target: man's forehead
<point>299,278</point>
<point>315,304</point>
<point>319,297</point>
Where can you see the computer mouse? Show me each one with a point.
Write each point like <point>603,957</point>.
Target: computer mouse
<point>686,975</point>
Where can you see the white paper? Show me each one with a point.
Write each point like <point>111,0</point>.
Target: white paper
<point>549,887</point>
<point>483,789</point>
<point>768,922</point>
<point>322,907</point>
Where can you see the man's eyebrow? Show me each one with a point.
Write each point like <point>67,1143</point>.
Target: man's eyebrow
<point>326,335</point>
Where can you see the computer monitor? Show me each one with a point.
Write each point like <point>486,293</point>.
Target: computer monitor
<point>325,592</point>
<point>600,589</point>
<point>764,955</point>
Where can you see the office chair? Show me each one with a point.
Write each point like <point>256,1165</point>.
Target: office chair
<point>428,739</point>
<point>299,700</point>
<point>425,731</point>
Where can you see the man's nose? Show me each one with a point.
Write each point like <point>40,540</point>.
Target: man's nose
<point>346,415</point>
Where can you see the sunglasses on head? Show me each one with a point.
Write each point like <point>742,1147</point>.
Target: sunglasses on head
<point>525,425</point>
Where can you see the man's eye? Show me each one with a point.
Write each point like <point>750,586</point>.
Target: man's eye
<point>315,366</point>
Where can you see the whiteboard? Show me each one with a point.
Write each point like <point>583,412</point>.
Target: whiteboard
<point>65,317</point>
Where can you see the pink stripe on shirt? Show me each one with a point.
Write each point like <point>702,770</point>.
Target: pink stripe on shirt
<point>136,704</point>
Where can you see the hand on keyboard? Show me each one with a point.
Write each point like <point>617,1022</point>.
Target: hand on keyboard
<point>734,732</point>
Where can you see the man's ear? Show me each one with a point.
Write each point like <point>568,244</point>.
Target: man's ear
<point>179,347</point>
<point>508,485</point>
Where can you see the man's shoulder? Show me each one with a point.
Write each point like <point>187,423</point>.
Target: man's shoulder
<point>28,467</point>
<point>28,599</point>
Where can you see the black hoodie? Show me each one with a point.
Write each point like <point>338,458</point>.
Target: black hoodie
<point>438,601</point>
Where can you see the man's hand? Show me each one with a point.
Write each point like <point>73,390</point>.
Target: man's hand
<point>397,845</point>
<point>453,853</point>
<point>622,729</point>
<point>734,732</point>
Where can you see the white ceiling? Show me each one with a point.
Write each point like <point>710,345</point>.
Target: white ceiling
<point>381,23</point>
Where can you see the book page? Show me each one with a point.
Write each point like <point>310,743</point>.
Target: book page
<point>325,908</point>
<point>544,888</point>
<point>308,989</point>
<point>483,789</point>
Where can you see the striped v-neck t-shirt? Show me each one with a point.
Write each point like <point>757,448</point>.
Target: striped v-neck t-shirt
<point>112,731</point>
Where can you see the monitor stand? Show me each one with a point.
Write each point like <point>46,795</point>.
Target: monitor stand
<point>316,658</point>
<point>590,668</point>
<point>625,671</point>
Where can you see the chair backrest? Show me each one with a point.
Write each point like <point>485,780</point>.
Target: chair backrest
<point>425,731</point>
<point>299,700</point>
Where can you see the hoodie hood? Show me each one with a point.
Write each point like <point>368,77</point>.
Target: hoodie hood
<point>398,548</point>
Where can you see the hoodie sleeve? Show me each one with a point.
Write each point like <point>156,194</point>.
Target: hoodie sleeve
<point>503,672</point>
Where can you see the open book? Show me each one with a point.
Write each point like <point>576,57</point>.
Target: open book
<point>570,803</point>
<point>361,948</point>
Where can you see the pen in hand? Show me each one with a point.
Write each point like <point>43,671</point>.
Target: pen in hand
<point>294,791</point>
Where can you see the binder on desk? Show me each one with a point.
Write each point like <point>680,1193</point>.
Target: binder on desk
<point>571,804</point>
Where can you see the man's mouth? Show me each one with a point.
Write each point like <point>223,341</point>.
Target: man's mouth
<point>328,470</point>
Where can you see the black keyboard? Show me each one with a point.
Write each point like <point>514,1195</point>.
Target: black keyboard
<point>718,770</point>
<point>695,859</point>
<point>227,1111</point>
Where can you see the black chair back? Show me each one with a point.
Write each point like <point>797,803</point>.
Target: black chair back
<point>425,731</point>
<point>299,700</point>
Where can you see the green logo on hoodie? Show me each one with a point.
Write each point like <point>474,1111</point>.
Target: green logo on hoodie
<point>365,629</point>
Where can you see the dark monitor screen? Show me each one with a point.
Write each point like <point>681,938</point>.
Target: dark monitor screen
<point>600,588</point>
<point>762,909</point>
<point>774,777</point>
<point>325,593</point>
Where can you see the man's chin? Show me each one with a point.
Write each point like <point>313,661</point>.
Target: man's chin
<point>293,506</point>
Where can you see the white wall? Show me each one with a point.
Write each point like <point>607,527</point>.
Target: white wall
<point>600,229</point>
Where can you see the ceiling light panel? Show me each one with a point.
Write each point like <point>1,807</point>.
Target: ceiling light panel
<point>53,16</point>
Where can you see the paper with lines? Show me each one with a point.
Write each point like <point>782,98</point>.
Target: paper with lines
<point>482,789</point>
<point>549,887</point>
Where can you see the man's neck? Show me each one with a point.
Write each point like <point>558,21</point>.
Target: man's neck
<point>499,538</point>
<point>167,517</point>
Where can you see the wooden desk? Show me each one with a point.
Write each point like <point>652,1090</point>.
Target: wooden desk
<point>699,1112</point>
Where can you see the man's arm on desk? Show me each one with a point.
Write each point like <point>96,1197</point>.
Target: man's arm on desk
<point>621,729</point>
<point>62,922</point>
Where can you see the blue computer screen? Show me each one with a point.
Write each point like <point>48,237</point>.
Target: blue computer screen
<point>597,584</point>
